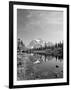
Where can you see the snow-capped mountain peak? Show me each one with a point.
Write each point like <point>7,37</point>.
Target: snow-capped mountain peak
<point>38,43</point>
<point>35,43</point>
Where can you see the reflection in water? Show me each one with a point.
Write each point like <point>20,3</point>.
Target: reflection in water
<point>38,66</point>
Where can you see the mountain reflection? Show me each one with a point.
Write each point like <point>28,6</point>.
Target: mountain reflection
<point>38,66</point>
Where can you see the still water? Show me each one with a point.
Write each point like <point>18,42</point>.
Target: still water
<point>36,66</point>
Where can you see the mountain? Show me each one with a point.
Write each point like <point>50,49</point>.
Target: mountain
<point>36,43</point>
<point>49,44</point>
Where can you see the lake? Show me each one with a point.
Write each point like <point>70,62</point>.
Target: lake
<point>36,66</point>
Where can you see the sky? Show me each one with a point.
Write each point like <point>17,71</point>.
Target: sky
<point>44,24</point>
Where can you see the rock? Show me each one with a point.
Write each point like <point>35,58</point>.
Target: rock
<point>57,66</point>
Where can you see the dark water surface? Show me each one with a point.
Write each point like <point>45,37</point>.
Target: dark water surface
<point>36,66</point>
